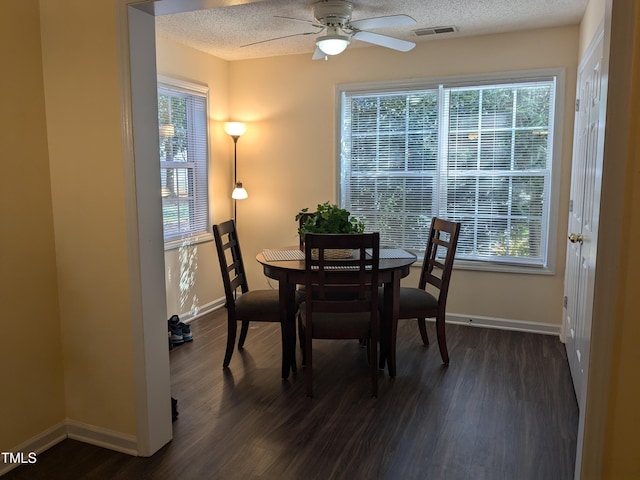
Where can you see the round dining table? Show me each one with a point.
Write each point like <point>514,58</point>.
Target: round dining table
<point>287,266</point>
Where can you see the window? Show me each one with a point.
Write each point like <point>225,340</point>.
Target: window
<point>477,153</point>
<point>184,160</point>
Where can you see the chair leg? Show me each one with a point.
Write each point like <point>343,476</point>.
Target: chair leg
<point>391,348</point>
<point>292,346</point>
<point>243,334</point>
<point>309,370</point>
<point>232,327</point>
<point>303,350</point>
<point>373,359</point>
<point>382,338</point>
<point>288,349</point>
<point>442,340</point>
<point>423,331</point>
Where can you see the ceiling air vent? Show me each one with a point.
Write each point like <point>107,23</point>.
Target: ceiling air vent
<point>421,32</point>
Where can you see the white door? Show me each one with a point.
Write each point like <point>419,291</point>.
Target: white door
<point>586,173</point>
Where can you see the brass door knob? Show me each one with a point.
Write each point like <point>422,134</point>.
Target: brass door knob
<point>575,238</point>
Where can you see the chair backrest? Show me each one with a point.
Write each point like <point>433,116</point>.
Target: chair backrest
<point>301,221</point>
<point>230,257</point>
<point>439,256</point>
<point>342,285</point>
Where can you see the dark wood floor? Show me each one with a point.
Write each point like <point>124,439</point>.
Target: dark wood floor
<point>503,409</point>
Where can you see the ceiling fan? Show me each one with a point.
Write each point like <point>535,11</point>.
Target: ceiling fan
<point>333,20</point>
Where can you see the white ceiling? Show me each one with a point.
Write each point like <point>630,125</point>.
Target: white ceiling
<point>222,31</point>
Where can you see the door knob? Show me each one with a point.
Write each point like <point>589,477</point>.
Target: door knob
<point>575,238</point>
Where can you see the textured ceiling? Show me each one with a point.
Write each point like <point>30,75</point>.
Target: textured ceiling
<point>222,32</point>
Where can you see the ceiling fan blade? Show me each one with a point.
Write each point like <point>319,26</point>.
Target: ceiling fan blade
<point>308,22</point>
<point>383,22</point>
<point>318,55</point>
<point>278,38</point>
<point>384,41</point>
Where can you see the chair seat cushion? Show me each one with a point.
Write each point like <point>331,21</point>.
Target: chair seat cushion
<point>261,305</point>
<point>416,299</point>
<point>338,325</point>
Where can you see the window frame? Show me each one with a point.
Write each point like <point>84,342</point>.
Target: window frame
<point>469,81</point>
<point>205,234</point>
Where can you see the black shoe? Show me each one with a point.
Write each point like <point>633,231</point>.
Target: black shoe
<point>175,331</point>
<point>187,336</point>
<point>174,408</point>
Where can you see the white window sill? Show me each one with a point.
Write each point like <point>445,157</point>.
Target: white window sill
<point>496,267</point>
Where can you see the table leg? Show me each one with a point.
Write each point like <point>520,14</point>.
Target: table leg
<point>287,293</point>
<point>391,309</point>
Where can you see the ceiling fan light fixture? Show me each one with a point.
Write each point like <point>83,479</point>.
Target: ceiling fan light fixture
<point>334,43</point>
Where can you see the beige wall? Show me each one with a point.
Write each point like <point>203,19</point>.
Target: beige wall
<point>592,19</point>
<point>31,354</point>
<point>82,93</point>
<point>287,157</point>
<point>198,263</point>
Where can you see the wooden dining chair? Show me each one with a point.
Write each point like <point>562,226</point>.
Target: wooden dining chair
<point>341,296</point>
<point>418,302</point>
<point>302,219</point>
<point>243,304</point>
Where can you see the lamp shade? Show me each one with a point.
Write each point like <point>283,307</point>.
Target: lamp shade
<point>235,129</point>
<point>239,193</point>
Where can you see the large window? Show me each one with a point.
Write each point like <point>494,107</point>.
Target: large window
<point>478,153</point>
<point>184,161</point>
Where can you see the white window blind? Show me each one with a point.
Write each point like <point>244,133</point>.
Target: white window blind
<point>477,154</point>
<point>184,160</point>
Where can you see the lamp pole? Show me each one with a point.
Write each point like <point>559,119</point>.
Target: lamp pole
<point>235,175</point>
<point>235,130</point>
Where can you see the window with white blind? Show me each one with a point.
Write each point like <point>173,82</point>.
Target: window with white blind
<point>481,153</point>
<point>184,161</point>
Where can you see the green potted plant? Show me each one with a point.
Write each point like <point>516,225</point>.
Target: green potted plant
<point>328,218</point>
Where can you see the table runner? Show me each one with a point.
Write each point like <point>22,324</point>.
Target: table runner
<point>279,255</point>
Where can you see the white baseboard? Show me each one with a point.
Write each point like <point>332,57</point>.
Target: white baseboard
<point>101,437</point>
<point>203,310</point>
<point>38,444</point>
<point>504,324</point>
<point>82,432</point>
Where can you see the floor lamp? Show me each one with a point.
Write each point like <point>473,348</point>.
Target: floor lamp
<point>235,130</point>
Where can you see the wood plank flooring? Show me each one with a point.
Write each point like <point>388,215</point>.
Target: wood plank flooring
<point>503,409</point>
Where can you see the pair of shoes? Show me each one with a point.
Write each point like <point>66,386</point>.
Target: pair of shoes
<point>180,331</point>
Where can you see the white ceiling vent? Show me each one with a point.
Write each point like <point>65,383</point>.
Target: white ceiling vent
<point>421,32</point>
